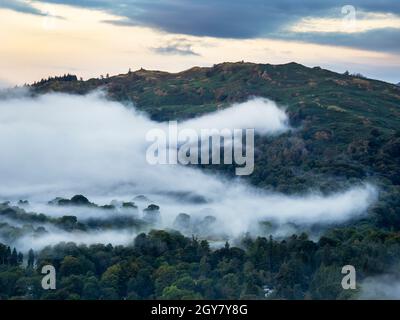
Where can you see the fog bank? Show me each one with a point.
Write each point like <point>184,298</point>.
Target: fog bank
<point>61,145</point>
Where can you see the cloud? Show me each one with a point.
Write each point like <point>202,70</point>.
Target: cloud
<point>243,19</point>
<point>61,145</point>
<point>20,6</point>
<point>176,47</point>
<point>386,287</point>
<point>120,237</point>
<point>385,39</point>
<point>368,30</point>
<point>260,114</point>
<point>78,140</point>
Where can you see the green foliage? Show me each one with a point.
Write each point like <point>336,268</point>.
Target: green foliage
<point>163,265</point>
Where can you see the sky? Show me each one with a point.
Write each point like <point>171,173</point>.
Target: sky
<point>90,38</point>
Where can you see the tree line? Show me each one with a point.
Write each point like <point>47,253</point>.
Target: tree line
<point>168,265</point>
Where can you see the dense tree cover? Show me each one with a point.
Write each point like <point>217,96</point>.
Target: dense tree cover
<point>10,257</point>
<point>65,77</point>
<point>167,265</point>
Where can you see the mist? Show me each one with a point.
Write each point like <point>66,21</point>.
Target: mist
<point>120,237</point>
<point>260,114</point>
<point>384,287</point>
<point>64,144</point>
<point>61,145</point>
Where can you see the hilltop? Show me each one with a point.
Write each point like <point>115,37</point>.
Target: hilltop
<point>198,90</point>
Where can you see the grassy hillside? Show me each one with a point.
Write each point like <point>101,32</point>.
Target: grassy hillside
<point>348,126</point>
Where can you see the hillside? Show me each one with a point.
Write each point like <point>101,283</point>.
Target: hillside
<point>348,126</point>
<point>197,90</point>
<point>346,133</point>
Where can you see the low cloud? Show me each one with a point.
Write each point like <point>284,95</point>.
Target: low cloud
<point>61,145</point>
<point>386,287</point>
<point>260,114</point>
<point>57,142</point>
<point>120,237</point>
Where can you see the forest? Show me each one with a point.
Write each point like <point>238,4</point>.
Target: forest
<point>167,265</point>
